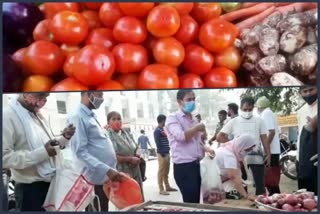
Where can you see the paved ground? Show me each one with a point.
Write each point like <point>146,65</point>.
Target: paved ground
<point>151,190</point>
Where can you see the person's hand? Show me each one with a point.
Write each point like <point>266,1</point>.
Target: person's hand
<point>135,160</point>
<point>250,198</point>
<point>314,158</point>
<point>200,127</point>
<point>69,131</point>
<point>50,147</point>
<point>210,151</point>
<point>114,175</point>
<point>267,160</point>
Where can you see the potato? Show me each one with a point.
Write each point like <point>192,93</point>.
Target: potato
<point>252,37</point>
<point>311,36</point>
<point>284,79</point>
<point>250,57</point>
<point>273,20</point>
<point>269,41</point>
<point>305,60</point>
<point>293,39</point>
<point>271,64</point>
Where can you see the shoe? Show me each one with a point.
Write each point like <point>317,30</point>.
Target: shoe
<point>164,193</point>
<point>234,195</point>
<point>170,189</point>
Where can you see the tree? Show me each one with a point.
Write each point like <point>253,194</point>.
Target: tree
<point>282,100</point>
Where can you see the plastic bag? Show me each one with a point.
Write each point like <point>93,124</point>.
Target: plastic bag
<point>211,185</point>
<point>125,193</point>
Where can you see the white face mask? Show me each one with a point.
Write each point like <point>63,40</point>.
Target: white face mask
<point>246,115</point>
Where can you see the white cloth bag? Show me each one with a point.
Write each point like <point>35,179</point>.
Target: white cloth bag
<point>69,190</point>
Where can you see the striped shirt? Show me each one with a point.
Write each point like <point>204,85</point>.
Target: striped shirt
<point>161,139</point>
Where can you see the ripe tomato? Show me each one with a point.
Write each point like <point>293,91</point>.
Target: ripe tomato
<point>93,65</point>
<point>188,31</point>
<point>50,9</point>
<point>129,81</point>
<point>197,59</point>
<point>150,42</point>
<point>68,64</point>
<point>217,35</point>
<point>158,76</point>
<point>130,58</point>
<point>229,58</point>
<point>183,8</point>
<point>102,37</point>
<point>191,81</point>
<point>92,5</point>
<point>168,51</point>
<point>69,27</point>
<point>136,9</point>
<point>220,77</point>
<point>130,30</point>
<point>69,84</point>
<point>110,13</point>
<point>67,49</point>
<point>19,58</point>
<point>205,11</point>
<point>37,83</point>
<point>110,85</point>
<point>163,21</point>
<point>41,31</point>
<point>92,18</point>
<point>44,57</point>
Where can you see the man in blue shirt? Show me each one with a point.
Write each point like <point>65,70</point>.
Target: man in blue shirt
<point>92,147</point>
<point>163,150</point>
<point>143,142</point>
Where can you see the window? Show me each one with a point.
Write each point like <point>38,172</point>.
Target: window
<point>125,113</point>
<point>140,110</point>
<point>106,110</point>
<point>62,109</point>
<point>151,111</point>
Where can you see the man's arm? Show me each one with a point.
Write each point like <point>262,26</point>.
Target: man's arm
<point>222,136</point>
<point>156,135</point>
<point>265,143</point>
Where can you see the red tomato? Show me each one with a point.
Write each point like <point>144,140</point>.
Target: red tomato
<point>191,81</point>
<point>19,58</point>
<point>92,5</point>
<point>229,58</point>
<point>136,9</point>
<point>129,81</point>
<point>102,37</point>
<point>205,11</point>
<point>217,35</point>
<point>93,65</point>
<point>168,51</point>
<point>158,76</point>
<point>220,77</point>
<point>130,58</point>
<point>130,30</point>
<point>92,18</point>
<point>163,21</point>
<point>37,83</point>
<point>69,27</point>
<point>67,49</point>
<point>197,59</point>
<point>110,13</point>
<point>43,57</point>
<point>69,84</point>
<point>68,64</point>
<point>52,8</point>
<point>41,31</point>
<point>110,85</point>
<point>150,41</point>
<point>188,31</point>
<point>183,8</point>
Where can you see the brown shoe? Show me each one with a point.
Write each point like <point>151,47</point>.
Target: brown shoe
<point>164,193</point>
<point>170,189</point>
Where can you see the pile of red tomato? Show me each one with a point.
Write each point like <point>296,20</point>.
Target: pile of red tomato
<point>115,46</point>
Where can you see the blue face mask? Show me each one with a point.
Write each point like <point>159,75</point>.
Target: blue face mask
<point>189,107</point>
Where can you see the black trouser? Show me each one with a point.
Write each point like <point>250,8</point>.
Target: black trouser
<point>188,179</point>
<point>275,163</point>
<point>30,197</point>
<point>104,201</point>
<point>311,182</point>
<point>258,177</point>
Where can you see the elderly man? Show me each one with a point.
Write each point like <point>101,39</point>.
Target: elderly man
<point>29,149</point>
<point>274,171</point>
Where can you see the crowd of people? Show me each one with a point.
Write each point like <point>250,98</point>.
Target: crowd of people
<point>245,142</point>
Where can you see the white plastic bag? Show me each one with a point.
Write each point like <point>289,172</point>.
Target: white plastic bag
<point>211,185</point>
<point>69,190</point>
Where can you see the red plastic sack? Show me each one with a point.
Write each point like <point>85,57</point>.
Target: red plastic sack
<point>125,193</point>
<point>272,176</point>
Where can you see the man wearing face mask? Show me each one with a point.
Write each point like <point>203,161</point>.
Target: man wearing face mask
<point>92,147</point>
<point>184,135</point>
<point>307,124</point>
<point>29,149</point>
<point>247,123</point>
